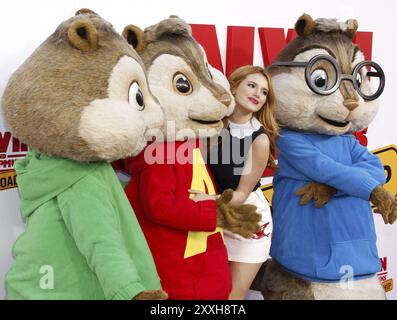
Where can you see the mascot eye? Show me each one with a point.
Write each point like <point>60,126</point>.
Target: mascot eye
<point>359,80</point>
<point>135,96</point>
<point>182,84</point>
<point>319,78</point>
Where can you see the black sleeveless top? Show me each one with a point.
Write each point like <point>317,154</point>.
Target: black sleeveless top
<point>227,158</point>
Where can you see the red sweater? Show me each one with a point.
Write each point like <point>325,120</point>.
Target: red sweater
<point>187,247</point>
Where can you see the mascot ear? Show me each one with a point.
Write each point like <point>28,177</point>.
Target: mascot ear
<point>173,26</point>
<point>305,25</point>
<point>83,35</point>
<point>85,11</point>
<point>135,37</point>
<point>352,26</point>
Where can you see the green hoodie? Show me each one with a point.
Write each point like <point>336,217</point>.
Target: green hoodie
<point>82,239</point>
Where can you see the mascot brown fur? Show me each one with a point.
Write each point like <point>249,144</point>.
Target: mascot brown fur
<point>185,236</point>
<point>325,248</point>
<point>80,101</point>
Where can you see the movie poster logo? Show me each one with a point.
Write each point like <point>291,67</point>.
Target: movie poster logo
<point>386,283</point>
<point>10,151</point>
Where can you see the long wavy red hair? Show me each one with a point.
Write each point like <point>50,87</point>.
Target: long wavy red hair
<point>266,114</point>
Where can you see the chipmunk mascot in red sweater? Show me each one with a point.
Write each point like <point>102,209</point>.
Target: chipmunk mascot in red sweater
<point>185,236</point>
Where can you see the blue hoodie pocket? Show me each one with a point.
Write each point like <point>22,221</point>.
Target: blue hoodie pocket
<point>350,259</point>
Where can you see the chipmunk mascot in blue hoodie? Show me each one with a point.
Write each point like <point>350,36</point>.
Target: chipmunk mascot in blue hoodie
<point>324,240</point>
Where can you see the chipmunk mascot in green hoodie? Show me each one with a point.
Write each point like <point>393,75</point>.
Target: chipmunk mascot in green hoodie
<point>80,101</point>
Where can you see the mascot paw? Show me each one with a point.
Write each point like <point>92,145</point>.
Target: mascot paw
<point>319,192</point>
<point>151,295</point>
<point>241,219</point>
<point>386,204</point>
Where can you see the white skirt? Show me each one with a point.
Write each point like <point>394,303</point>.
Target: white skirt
<point>255,249</point>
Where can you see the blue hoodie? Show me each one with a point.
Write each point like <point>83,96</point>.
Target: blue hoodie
<point>322,244</point>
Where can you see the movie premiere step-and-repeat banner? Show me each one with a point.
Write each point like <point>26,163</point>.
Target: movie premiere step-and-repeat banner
<point>233,34</point>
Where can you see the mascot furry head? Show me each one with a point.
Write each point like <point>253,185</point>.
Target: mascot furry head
<point>197,97</point>
<point>79,101</point>
<point>322,99</point>
<point>324,233</point>
<point>82,94</point>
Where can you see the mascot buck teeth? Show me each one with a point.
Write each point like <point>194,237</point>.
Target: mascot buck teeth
<point>325,91</point>
<point>80,101</point>
<point>184,236</point>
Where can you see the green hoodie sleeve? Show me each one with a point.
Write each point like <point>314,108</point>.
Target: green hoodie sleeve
<point>92,220</point>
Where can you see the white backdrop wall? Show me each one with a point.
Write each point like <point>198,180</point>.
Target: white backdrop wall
<point>25,24</point>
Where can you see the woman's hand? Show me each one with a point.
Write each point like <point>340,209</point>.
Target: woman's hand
<point>201,196</point>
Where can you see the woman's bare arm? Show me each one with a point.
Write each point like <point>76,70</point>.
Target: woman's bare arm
<point>255,164</point>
